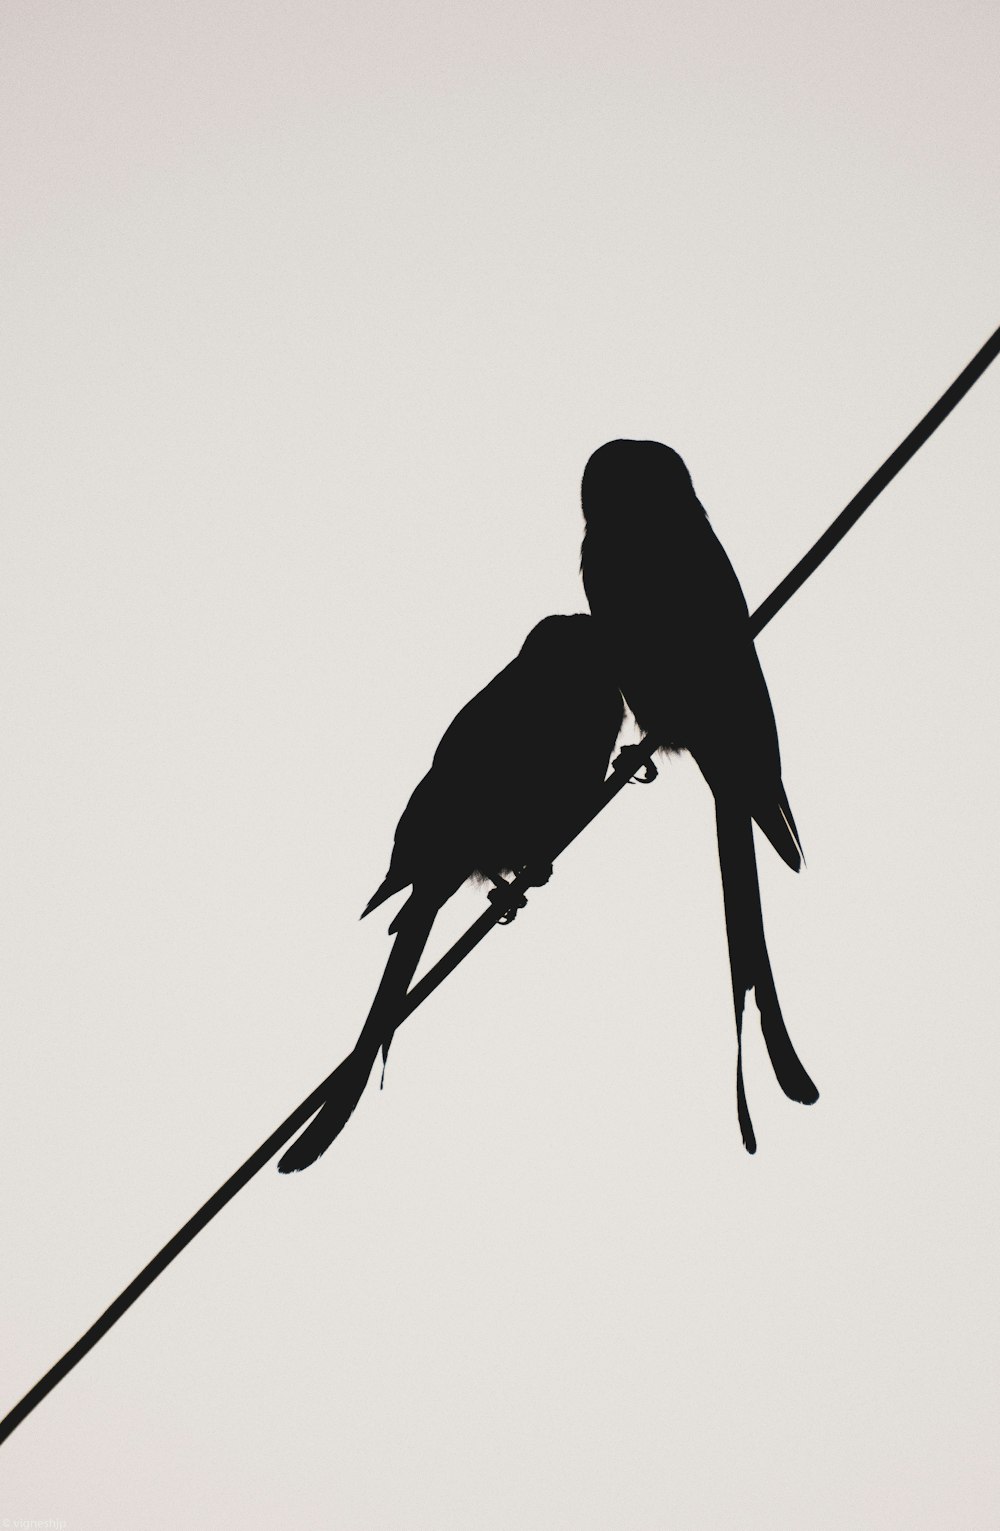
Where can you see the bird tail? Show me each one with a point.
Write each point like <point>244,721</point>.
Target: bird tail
<point>785,1061</point>
<point>347,1083</point>
<point>750,965</point>
<point>346,1087</point>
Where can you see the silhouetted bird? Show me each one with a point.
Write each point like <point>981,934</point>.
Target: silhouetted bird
<point>509,780</point>
<point>673,616</point>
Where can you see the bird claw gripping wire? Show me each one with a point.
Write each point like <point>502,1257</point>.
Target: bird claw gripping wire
<point>643,772</point>
<point>501,894</point>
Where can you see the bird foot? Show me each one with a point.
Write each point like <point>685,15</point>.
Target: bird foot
<point>501,894</point>
<point>631,758</point>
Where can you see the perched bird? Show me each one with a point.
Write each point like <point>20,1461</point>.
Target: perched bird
<point>509,780</point>
<point>673,617</point>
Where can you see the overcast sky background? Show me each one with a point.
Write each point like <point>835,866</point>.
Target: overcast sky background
<point>313,315</point>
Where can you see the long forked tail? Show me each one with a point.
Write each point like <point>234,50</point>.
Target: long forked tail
<point>750,965</point>
<point>347,1083</point>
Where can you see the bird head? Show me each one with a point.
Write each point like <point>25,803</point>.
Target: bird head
<point>568,650</point>
<point>636,477</point>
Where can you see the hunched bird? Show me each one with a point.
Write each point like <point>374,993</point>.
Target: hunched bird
<point>512,776</point>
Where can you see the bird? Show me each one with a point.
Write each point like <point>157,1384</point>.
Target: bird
<point>511,778</point>
<point>675,622</point>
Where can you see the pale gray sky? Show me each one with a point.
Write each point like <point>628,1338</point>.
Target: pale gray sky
<point>313,315</point>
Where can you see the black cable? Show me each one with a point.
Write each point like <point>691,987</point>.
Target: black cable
<point>490,917</point>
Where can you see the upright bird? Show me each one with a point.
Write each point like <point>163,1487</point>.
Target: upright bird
<point>511,777</point>
<point>673,617</point>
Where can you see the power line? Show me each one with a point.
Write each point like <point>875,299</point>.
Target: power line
<point>491,916</point>
<point>853,511</point>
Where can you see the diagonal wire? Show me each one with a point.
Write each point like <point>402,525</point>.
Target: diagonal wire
<point>856,508</point>
<point>490,917</point>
